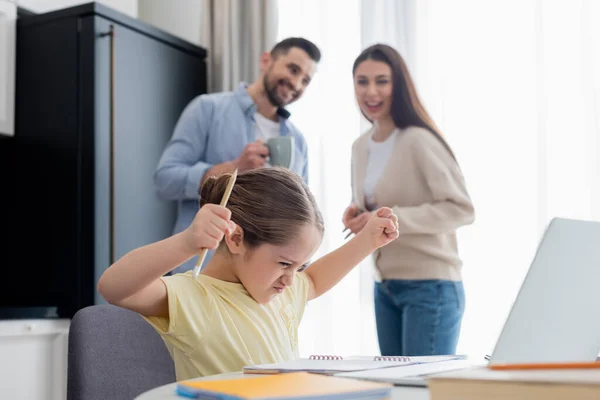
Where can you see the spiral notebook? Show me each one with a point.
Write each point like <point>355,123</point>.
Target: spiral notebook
<point>330,365</point>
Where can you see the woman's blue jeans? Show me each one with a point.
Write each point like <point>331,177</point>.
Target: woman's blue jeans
<point>418,317</point>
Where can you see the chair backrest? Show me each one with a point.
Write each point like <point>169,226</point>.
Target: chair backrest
<point>114,354</point>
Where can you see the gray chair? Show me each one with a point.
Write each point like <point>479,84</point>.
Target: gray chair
<point>114,354</point>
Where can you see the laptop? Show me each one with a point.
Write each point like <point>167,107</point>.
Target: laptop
<point>555,317</point>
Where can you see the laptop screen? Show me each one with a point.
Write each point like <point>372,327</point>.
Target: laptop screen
<point>556,315</point>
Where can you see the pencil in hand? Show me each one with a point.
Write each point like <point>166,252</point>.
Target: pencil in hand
<point>223,204</point>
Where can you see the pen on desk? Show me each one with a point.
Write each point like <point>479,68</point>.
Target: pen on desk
<point>224,200</point>
<point>532,366</point>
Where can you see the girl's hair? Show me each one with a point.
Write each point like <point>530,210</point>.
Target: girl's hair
<point>269,204</point>
<point>406,109</point>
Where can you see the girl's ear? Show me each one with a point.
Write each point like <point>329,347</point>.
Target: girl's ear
<point>235,241</point>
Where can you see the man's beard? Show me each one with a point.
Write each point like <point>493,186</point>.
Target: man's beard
<point>271,92</point>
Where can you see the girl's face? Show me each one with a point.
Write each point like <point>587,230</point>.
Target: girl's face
<point>268,270</point>
<point>373,89</point>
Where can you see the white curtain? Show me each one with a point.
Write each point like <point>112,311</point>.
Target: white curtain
<point>391,22</point>
<point>515,87</point>
<point>236,33</point>
<point>341,321</point>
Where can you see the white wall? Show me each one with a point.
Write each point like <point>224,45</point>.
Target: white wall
<point>129,7</point>
<point>33,359</point>
<point>182,18</point>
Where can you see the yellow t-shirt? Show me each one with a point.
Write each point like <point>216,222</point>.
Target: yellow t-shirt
<point>216,326</point>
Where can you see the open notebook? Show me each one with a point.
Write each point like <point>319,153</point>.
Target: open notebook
<point>330,365</point>
<point>297,386</point>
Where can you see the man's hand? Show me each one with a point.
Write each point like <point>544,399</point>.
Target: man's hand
<point>254,156</point>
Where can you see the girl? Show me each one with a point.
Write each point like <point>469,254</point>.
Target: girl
<point>245,306</point>
<point>403,163</point>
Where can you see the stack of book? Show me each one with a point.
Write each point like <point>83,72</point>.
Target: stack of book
<point>545,383</point>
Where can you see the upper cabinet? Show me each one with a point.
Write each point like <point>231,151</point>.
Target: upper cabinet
<point>8,19</point>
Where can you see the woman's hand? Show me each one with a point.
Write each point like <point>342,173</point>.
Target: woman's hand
<point>355,219</point>
<point>349,213</point>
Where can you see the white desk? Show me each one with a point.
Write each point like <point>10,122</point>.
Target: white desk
<point>167,392</point>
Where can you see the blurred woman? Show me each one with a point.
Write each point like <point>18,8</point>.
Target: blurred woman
<point>403,162</point>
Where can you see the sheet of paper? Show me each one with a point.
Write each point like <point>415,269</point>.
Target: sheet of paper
<point>395,374</point>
